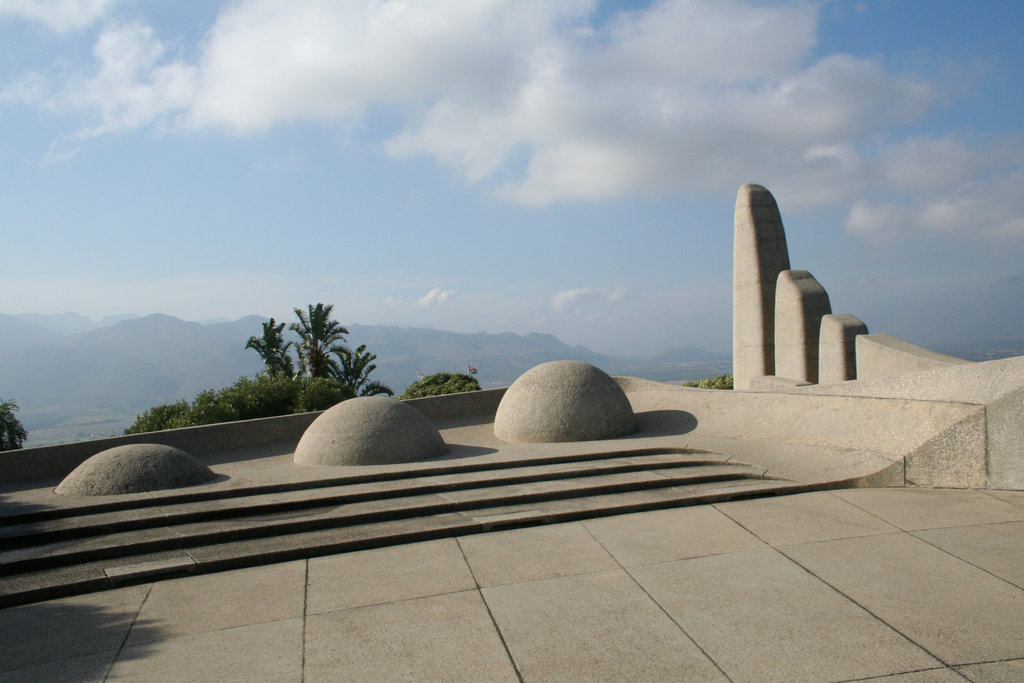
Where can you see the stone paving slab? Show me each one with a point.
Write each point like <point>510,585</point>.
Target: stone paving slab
<point>593,627</point>
<point>1009,671</point>
<point>441,637</point>
<point>598,599</point>
<point>802,519</point>
<point>958,612</point>
<point>269,651</point>
<point>914,509</point>
<point>534,553</point>
<point>370,577</point>
<point>69,627</point>
<point>214,602</point>
<point>792,626</point>
<point>664,535</point>
<point>995,548</point>
<point>88,668</point>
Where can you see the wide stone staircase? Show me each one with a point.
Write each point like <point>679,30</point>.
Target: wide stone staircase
<point>52,552</point>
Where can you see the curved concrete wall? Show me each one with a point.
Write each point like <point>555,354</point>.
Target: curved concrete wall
<point>831,438</point>
<point>996,386</point>
<point>883,355</point>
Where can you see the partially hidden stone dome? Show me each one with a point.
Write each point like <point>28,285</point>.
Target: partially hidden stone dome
<point>564,400</point>
<point>369,430</point>
<point>134,468</point>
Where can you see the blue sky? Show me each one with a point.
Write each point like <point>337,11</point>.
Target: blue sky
<point>504,165</point>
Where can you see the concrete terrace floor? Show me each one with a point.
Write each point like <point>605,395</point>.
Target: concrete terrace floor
<point>896,584</point>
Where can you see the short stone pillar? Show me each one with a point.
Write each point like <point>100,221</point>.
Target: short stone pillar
<point>800,303</point>
<point>759,255</point>
<point>837,347</point>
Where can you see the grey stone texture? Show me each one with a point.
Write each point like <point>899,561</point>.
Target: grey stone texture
<point>134,468</point>
<point>437,638</point>
<point>860,584</point>
<point>759,255</point>
<point>369,430</point>
<point>995,388</point>
<point>883,355</point>
<point>562,401</point>
<point>837,348</point>
<point>800,304</point>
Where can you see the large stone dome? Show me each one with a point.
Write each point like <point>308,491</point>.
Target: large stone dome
<point>369,430</point>
<point>564,400</point>
<point>134,468</point>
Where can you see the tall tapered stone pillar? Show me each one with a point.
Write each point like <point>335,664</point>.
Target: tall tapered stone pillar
<point>759,255</point>
<point>837,348</point>
<point>800,304</point>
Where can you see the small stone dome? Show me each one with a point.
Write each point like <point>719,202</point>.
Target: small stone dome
<point>564,400</point>
<point>369,430</point>
<point>134,468</point>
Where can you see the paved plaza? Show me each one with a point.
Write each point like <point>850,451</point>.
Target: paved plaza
<point>895,584</point>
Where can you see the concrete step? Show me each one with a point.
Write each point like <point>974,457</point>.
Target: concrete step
<point>412,470</point>
<point>106,573</point>
<point>166,534</point>
<point>78,523</point>
<point>106,548</point>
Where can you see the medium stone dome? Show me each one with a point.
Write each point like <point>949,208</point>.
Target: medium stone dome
<point>369,430</point>
<point>134,468</point>
<point>564,400</point>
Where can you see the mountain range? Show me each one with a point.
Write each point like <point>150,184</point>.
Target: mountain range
<point>75,378</point>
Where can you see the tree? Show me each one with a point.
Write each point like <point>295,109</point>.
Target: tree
<point>320,337</point>
<point>719,382</point>
<point>441,383</point>
<point>12,432</point>
<point>273,349</point>
<point>355,368</point>
<point>265,396</point>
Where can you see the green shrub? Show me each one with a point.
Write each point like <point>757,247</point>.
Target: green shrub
<point>720,382</point>
<point>12,432</point>
<point>167,416</point>
<point>441,383</point>
<point>268,395</point>
<point>320,393</point>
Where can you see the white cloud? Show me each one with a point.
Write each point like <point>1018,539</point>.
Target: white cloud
<point>948,185</point>
<point>57,15</point>
<point>132,86</point>
<point>535,102</point>
<point>435,297</point>
<point>573,299</point>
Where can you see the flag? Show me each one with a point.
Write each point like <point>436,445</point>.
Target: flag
<point>472,370</point>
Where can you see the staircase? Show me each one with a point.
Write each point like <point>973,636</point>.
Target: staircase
<point>55,552</point>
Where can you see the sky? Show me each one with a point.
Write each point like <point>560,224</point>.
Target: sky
<point>563,167</point>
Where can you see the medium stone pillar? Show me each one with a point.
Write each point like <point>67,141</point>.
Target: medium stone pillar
<point>800,303</point>
<point>759,255</point>
<point>837,348</point>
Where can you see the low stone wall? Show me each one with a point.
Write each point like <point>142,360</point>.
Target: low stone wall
<point>459,405</point>
<point>995,386</point>
<point>48,462</point>
<point>889,441</point>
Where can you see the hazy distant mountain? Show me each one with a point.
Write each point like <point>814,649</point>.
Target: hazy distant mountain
<point>689,354</point>
<point>140,361</point>
<point>95,382</point>
<point>72,323</point>
<point>16,333</point>
<point>499,358</point>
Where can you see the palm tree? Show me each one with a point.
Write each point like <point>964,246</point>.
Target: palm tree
<point>12,432</point>
<point>273,349</point>
<point>319,338</point>
<point>355,369</point>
